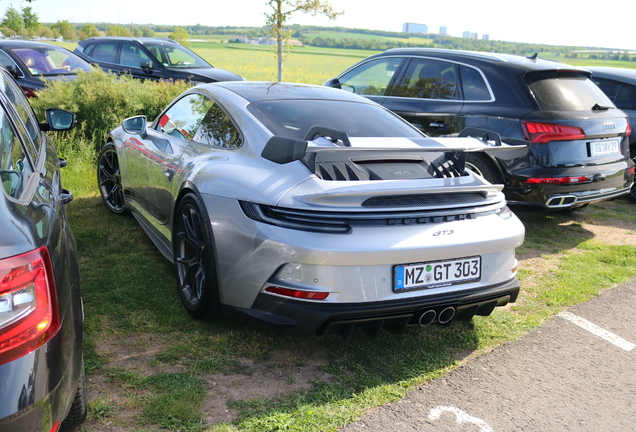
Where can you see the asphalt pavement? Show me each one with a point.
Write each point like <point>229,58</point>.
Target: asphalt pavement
<point>576,372</point>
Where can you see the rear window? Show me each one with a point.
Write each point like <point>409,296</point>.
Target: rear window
<point>561,91</point>
<point>294,118</point>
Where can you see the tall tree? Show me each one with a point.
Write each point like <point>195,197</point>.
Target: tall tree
<point>180,35</point>
<point>12,19</point>
<point>282,10</point>
<point>30,18</point>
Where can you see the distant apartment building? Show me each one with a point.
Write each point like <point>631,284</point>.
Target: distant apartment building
<point>485,37</point>
<point>466,34</point>
<point>414,28</point>
<point>443,31</point>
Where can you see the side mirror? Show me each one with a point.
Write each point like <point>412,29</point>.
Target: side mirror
<point>59,120</point>
<point>14,71</point>
<point>282,149</point>
<point>135,125</point>
<point>147,66</point>
<point>333,82</point>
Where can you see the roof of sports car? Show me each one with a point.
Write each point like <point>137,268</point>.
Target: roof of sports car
<point>257,91</point>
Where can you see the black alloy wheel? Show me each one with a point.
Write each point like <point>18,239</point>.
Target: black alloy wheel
<point>194,259</point>
<point>109,179</point>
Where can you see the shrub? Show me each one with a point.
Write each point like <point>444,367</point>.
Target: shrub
<point>102,100</point>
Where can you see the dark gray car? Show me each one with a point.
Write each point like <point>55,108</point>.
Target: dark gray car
<point>619,84</point>
<point>41,314</point>
<point>150,58</point>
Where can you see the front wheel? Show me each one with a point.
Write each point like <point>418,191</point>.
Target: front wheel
<point>194,259</point>
<point>109,179</point>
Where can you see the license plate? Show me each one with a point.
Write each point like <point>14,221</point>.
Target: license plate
<point>437,274</point>
<point>605,147</point>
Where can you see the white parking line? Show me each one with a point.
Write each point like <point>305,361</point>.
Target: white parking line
<point>460,417</point>
<point>598,331</point>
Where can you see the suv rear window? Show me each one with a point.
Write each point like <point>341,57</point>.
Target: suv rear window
<point>565,91</point>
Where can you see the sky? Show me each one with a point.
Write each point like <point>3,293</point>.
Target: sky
<point>553,22</point>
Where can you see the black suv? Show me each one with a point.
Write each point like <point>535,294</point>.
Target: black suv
<point>150,58</point>
<point>41,315</point>
<point>577,139</point>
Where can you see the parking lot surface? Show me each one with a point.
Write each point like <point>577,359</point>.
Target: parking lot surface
<point>574,373</point>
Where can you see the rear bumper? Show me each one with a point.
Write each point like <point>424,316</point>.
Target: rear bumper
<point>300,318</point>
<point>615,181</point>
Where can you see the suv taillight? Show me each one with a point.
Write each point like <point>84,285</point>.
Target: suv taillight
<point>541,133</point>
<point>28,304</point>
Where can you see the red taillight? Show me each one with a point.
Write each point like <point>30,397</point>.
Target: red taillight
<point>29,92</point>
<point>28,304</point>
<point>628,130</point>
<point>541,133</point>
<point>312,295</point>
<point>559,180</point>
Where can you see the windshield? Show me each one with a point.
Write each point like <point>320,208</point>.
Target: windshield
<point>294,118</point>
<point>50,61</point>
<point>173,55</point>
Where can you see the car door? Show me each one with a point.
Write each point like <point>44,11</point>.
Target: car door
<point>153,162</point>
<point>134,60</point>
<point>427,95</point>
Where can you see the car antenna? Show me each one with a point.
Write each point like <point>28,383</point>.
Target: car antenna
<point>533,56</point>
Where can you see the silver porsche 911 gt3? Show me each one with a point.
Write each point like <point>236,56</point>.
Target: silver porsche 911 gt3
<point>304,208</point>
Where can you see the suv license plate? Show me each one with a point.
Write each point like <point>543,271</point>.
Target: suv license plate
<point>437,274</point>
<point>605,147</point>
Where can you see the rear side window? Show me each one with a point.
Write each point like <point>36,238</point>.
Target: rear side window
<point>473,85</point>
<point>218,130</point>
<point>563,91</point>
<point>371,78</point>
<point>15,167</point>
<point>427,79</point>
<point>29,126</point>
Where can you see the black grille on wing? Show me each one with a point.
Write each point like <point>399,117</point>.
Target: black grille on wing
<point>361,166</point>
<point>446,199</point>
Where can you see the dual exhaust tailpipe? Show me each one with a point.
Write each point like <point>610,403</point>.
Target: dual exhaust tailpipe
<point>429,317</point>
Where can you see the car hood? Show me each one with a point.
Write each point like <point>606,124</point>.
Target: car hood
<point>208,74</point>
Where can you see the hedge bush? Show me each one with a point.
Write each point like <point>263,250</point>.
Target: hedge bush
<point>102,100</point>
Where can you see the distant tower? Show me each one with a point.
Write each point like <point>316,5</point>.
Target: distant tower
<point>414,28</point>
<point>443,31</point>
<point>466,34</point>
<point>485,37</point>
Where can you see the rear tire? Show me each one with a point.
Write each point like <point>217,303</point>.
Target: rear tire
<point>79,409</point>
<point>194,259</point>
<point>484,167</point>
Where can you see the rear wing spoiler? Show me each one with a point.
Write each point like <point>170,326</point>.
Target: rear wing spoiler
<point>324,145</point>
